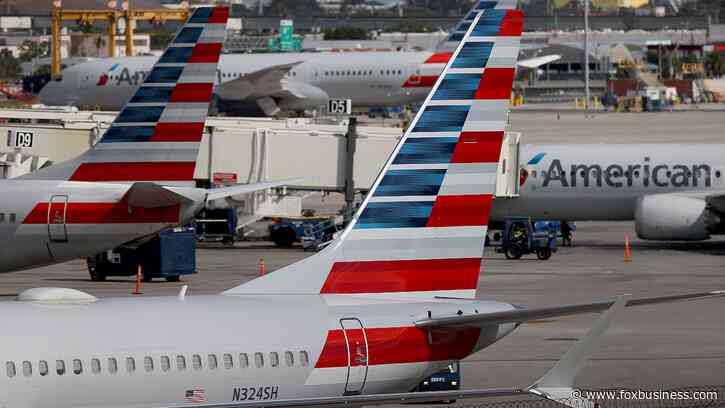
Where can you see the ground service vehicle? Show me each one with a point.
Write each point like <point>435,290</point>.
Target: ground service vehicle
<point>521,238</point>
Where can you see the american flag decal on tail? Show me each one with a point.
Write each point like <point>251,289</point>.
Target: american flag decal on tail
<point>156,135</point>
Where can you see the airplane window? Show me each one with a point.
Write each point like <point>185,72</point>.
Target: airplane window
<point>289,358</point>
<point>212,362</point>
<point>130,365</point>
<point>243,360</point>
<point>60,367</point>
<point>165,363</point>
<point>12,218</point>
<point>10,369</point>
<point>274,359</point>
<point>2,217</point>
<point>196,361</point>
<point>228,362</point>
<point>27,368</point>
<point>304,358</point>
<point>717,174</point>
<point>43,367</point>
<point>180,363</point>
<point>148,364</point>
<point>112,365</point>
<point>77,366</point>
<point>95,365</point>
<point>258,359</point>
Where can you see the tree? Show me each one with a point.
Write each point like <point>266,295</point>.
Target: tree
<point>32,50</point>
<point>346,33</point>
<point>9,65</point>
<point>715,64</point>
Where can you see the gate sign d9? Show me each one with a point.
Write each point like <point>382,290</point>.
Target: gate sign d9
<point>20,139</point>
<point>339,106</point>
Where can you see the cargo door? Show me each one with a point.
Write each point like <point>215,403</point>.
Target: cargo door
<point>357,355</point>
<point>57,210</point>
<point>507,175</point>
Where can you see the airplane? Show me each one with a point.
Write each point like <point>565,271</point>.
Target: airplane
<point>390,301</point>
<point>269,83</point>
<point>671,191</point>
<point>138,180</point>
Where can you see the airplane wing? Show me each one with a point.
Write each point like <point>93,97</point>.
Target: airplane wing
<point>271,88</point>
<point>224,192</point>
<point>533,63</point>
<point>557,384</point>
<point>525,314</point>
<point>152,195</point>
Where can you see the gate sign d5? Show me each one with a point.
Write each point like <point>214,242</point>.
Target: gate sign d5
<point>339,106</point>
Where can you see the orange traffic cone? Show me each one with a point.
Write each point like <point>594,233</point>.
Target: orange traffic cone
<point>137,290</point>
<point>627,249</point>
<point>261,266</point>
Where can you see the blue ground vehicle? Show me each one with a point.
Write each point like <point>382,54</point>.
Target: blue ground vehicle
<point>521,238</point>
<point>217,225</point>
<point>169,255</point>
<point>311,231</point>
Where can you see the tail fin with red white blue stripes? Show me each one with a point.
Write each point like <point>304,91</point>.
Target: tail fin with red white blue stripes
<point>421,230</point>
<point>156,135</point>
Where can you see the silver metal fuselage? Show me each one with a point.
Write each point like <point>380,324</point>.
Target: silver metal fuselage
<point>217,325</point>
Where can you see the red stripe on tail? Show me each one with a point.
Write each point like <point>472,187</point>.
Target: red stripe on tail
<point>191,93</point>
<point>512,24</point>
<point>177,132</point>
<point>495,84</point>
<point>219,15</point>
<point>460,211</point>
<point>402,275</point>
<point>206,53</point>
<point>135,171</point>
<point>478,147</point>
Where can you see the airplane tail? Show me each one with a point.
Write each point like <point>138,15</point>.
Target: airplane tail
<point>421,230</point>
<point>450,43</point>
<point>156,135</point>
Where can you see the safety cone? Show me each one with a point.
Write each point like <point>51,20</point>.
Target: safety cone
<point>627,249</point>
<point>261,266</point>
<point>137,290</point>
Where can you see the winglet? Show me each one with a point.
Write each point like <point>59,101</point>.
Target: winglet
<point>558,383</point>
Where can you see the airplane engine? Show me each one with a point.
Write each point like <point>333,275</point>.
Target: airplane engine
<point>670,217</point>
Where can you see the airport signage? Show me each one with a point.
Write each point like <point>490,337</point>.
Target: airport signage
<point>20,139</point>
<point>286,30</point>
<point>339,106</point>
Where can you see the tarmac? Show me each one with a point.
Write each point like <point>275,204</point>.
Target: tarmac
<point>669,346</point>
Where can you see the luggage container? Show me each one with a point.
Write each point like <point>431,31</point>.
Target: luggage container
<point>169,255</point>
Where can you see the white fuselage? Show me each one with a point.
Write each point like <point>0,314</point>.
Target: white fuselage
<point>628,171</point>
<point>49,221</point>
<point>368,78</point>
<point>263,347</point>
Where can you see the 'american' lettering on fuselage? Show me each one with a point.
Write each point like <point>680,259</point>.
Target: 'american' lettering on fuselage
<point>127,78</point>
<point>618,175</point>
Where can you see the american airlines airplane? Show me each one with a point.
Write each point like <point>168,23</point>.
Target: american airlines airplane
<point>390,301</point>
<point>671,191</point>
<point>138,179</point>
<point>269,83</point>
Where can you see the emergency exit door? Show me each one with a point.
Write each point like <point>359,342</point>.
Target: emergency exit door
<point>357,355</point>
<point>57,210</point>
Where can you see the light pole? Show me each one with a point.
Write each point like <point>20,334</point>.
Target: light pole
<point>587,94</point>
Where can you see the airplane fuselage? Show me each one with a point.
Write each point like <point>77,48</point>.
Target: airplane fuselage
<point>603,182</point>
<point>369,78</point>
<point>163,351</point>
<point>47,222</point>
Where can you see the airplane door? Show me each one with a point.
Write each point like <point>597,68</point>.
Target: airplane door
<point>357,355</point>
<point>57,209</point>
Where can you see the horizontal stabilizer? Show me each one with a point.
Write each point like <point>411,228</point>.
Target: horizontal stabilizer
<point>152,195</point>
<point>523,314</point>
<point>538,61</point>
<point>224,192</point>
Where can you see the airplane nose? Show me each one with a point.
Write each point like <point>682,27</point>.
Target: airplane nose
<point>56,93</point>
